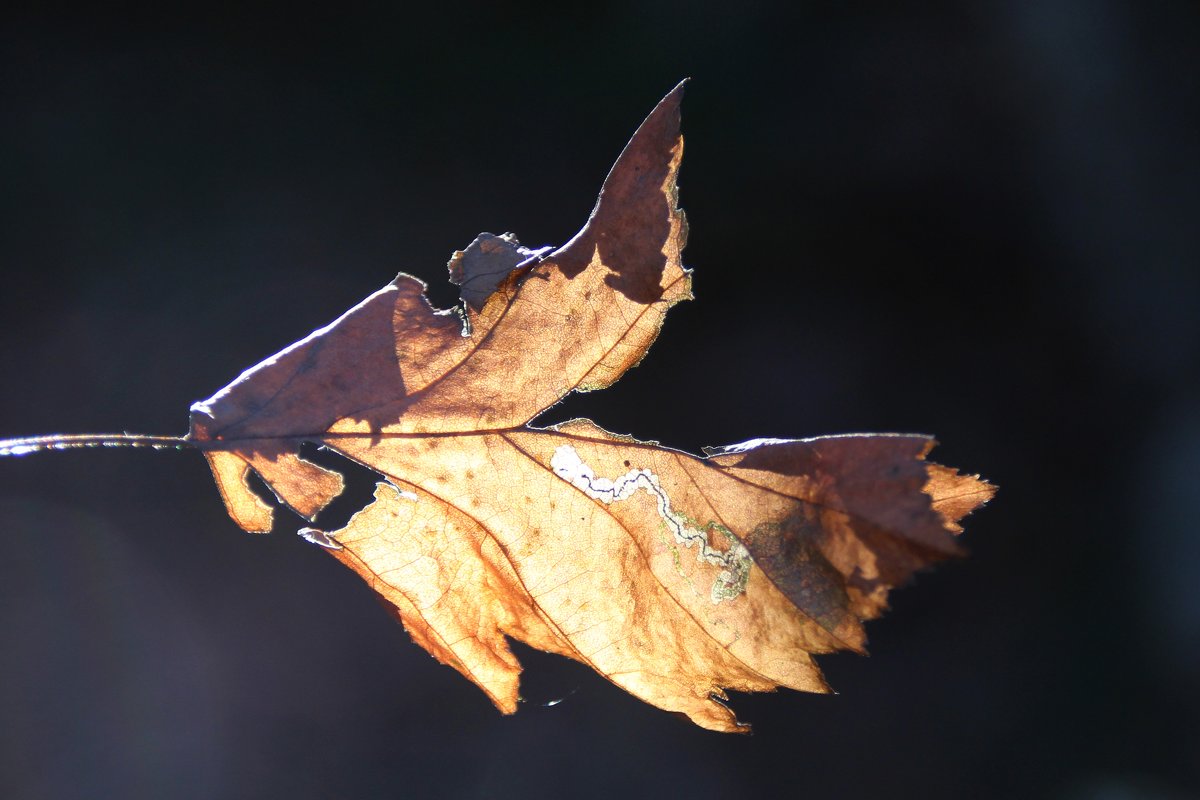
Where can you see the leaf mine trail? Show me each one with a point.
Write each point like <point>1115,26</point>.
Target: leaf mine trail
<point>735,559</point>
<point>674,576</point>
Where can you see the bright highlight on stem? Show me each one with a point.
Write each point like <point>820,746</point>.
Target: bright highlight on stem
<point>70,441</point>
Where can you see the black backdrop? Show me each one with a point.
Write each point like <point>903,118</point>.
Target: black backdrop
<point>978,222</point>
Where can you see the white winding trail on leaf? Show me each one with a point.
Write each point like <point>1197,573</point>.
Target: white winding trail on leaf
<point>736,561</point>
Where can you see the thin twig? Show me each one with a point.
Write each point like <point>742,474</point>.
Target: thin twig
<point>34,444</point>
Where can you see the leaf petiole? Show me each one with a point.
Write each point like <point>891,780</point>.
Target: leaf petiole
<point>70,441</point>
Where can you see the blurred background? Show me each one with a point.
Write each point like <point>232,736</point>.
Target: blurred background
<point>973,220</point>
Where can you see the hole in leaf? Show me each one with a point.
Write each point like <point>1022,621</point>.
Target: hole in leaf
<point>359,491</point>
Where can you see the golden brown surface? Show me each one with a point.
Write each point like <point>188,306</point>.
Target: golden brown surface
<point>675,577</point>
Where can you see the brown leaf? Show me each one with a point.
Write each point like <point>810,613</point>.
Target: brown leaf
<point>675,577</point>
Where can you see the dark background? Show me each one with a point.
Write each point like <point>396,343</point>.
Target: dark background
<point>977,221</point>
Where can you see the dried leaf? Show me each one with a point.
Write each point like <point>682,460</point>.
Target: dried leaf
<point>676,577</point>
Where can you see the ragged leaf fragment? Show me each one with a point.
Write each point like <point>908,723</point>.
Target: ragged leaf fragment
<point>675,577</point>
